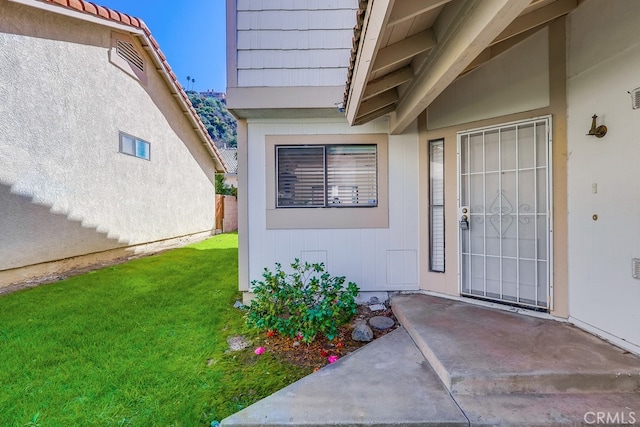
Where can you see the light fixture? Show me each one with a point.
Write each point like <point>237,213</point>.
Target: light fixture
<point>598,131</point>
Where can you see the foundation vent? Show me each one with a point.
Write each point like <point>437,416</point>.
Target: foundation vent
<point>635,98</point>
<point>128,52</point>
<point>635,263</point>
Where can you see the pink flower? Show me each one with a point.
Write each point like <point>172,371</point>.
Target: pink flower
<point>333,358</point>
<point>259,350</point>
<point>299,336</point>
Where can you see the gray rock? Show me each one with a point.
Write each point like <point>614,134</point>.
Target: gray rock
<point>237,343</point>
<point>362,332</point>
<point>377,307</point>
<point>238,304</point>
<point>381,323</point>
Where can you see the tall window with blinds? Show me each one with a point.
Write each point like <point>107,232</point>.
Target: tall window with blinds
<point>436,205</point>
<point>326,176</point>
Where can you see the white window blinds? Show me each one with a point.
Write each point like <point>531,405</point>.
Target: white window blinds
<point>436,204</point>
<point>326,176</point>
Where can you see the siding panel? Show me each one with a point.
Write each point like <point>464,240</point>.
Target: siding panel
<point>294,43</point>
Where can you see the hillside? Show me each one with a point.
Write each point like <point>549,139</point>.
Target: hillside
<point>220,124</point>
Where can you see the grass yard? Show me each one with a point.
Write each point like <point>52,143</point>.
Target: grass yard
<point>135,344</point>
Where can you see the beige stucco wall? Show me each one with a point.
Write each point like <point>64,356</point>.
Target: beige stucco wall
<point>65,190</point>
<point>604,177</point>
<point>511,101</point>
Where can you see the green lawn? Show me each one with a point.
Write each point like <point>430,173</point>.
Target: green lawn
<point>140,344</point>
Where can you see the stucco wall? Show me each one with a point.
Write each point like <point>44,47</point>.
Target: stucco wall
<point>377,259</point>
<point>65,190</point>
<point>603,64</point>
<point>515,81</point>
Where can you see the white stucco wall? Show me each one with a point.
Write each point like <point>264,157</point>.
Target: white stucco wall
<point>376,259</point>
<point>603,64</point>
<point>65,190</point>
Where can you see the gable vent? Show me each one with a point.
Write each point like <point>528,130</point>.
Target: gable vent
<point>635,98</point>
<point>128,52</point>
<point>635,262</point>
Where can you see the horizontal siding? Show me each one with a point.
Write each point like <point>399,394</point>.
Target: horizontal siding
<point>296,4</point>
<point>293,59</point>
<point>292,77</point>
<point>294,42</point>
<point>296,20</point>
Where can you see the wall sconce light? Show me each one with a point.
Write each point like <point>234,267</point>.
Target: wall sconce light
<point>598,131</point>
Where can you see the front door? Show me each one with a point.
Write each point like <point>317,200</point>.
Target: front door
<point>504,213</point>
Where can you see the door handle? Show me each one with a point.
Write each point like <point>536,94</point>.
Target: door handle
<point>464,223</point>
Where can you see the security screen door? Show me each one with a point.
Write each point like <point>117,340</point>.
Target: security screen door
<point>504,213</point>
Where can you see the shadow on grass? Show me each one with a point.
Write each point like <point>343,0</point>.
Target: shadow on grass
<point>140,343</point>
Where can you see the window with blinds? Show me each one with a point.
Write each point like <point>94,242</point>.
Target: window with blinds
<point>436,205</point>
<point>326,176</point>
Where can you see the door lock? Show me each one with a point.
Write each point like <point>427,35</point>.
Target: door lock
<point>464,223</point>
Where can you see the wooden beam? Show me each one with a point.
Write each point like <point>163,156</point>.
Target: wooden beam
<point>496,49</point>
<point>536,18</point>
<point>372,116</point>
<point>477,24</point>
<point>404,49</point>
<point>384,83</point>
<point>376,103</point>
<point>376,19</point>
<point>407,9</point>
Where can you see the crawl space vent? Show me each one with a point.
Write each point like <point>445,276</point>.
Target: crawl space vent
<point>635,98</point>
<point>636,268</point>
<point>128,52</point>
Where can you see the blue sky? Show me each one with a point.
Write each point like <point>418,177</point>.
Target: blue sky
<point>191,34</point>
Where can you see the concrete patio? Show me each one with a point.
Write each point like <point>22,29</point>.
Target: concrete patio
<point>454,363</point>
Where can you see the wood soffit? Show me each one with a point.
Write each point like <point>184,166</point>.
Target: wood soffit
<point>406,52</point>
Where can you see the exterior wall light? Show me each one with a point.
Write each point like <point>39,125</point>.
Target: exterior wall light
<point>598,131</point>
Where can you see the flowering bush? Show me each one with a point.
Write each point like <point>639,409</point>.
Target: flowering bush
<point>302,304</point>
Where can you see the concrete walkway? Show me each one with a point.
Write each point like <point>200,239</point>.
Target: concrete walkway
<point>454,363</point>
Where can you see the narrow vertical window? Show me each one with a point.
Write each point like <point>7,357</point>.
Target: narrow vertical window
<point>436,205</point>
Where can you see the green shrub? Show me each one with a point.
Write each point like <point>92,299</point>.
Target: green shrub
<point>306,302</point>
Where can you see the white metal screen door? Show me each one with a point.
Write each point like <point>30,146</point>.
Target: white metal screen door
<point>504,213</point>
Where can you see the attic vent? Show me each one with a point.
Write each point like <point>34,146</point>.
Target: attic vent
<point>635,98</point>
<point>635,262</point>
<point>128,52</point>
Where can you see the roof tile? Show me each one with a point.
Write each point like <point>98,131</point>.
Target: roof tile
<point>75,4</point>
<point>103,12</point>
<point>90,7</point>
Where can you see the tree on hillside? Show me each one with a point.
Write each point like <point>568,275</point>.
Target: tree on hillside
<point>220,124</point>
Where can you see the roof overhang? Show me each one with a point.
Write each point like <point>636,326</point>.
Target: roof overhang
<point>407,52</point>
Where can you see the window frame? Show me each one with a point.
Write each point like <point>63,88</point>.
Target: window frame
<point>330,217</point>
<point>326,165</point>
<point>137,142</point>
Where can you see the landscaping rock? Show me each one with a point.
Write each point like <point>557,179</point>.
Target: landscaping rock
<point>381,323</point>
<point>237,343</point>
<point>238,304</point>
<point>362,332</point>
<point>377,307</point>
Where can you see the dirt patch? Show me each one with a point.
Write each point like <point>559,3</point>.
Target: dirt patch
<point>317,353</point>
